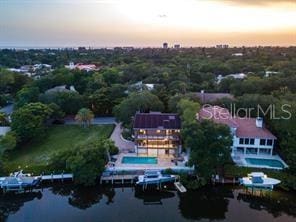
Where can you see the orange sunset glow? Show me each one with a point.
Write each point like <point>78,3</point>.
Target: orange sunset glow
<point>100,23</point>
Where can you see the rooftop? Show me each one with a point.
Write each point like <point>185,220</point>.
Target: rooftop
<point>212,97</point>
<point>245,127</point>
<point>157,120</point>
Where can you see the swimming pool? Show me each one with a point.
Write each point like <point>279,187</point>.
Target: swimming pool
<point>139,160</point>
<point>265,162</point>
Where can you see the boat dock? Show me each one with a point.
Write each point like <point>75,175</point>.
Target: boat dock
<point>118,179</point>
<point>53,177</point>
<point>20,182</point>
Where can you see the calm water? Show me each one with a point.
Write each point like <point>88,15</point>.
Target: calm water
<point>69,203</point>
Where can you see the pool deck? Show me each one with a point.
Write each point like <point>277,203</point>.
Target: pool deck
<point>240,160</point>
<point>162,163</point>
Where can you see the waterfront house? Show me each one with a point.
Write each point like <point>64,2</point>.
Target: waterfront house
<point>250,136</point>
<point>157,134</point>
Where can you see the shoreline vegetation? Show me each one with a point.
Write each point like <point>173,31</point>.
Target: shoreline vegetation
<point>35,156</point>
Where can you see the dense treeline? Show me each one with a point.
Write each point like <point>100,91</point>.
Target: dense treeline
<point>176,75</point>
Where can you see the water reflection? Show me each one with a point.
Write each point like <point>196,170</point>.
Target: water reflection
<point>129,204</point>
<point>210,203</point>
<point>276,203</point>
<point>10,203</point>
<point>153,197</point>
<point>85,197</point>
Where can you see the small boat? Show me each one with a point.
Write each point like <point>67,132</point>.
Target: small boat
<point>155,177</point>
<point>18,182</point>
<point>259,180</point>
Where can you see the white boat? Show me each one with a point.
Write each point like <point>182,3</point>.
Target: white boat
<point>154,177</point>
<point>259,180</point>
<point>18,181</point>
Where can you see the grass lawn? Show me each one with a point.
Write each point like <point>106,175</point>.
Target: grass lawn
<point>34,156</point>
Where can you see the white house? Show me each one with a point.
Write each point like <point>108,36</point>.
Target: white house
<point>250,137</point>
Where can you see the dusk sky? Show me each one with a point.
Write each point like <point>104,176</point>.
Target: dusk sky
<point>107,23</point>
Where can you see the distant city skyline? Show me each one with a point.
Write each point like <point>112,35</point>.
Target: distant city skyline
<point>146,23</point>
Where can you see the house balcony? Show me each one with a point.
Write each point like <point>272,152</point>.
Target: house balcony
<point>159,137</point>
<point>164,146</point>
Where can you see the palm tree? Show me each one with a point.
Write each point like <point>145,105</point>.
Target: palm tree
<point>84,116</point>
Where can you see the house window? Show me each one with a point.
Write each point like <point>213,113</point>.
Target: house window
<point>252,141</point>
<point>247,141</point>
<point>262,142</point>
<point>269,142</point>
<point>167,151</point>
<point>241,141</point>
<point>157,131</point>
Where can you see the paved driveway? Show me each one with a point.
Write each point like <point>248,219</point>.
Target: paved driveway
<point>122,144</point>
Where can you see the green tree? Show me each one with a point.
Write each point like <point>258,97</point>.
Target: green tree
<point>210,146</point>
<point>187,110</point>
<point>86,160</point>
<point>84,117</point>
<point>57,113</point>
<point>27,95</point>
<point>142,101</point>
<point>7,142</point>
<point>28,122</point>
<point>69,102</point>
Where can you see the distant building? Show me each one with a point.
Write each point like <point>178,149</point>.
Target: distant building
<point>80,66</point>
<point>270,73</point>
<point>165,45</point>
<point>177,46</point>
<point>212,97</point>
<point>140,86</point>
<point>62,88</point>
<point>237,54</point>
<point>157,134</point>
<point>32,70</point>
<point>235,76</point>
<point>222,46</point>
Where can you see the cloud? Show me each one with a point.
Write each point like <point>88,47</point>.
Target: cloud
<point>258,2</point>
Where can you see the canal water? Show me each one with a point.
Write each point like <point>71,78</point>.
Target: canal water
<point>221,203</point>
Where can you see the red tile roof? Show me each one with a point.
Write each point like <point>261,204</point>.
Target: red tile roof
<point>157,120</point>
<point>245,127</point>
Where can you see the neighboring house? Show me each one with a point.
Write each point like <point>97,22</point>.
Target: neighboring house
<point>62,88</point>
<point>80,66</point>
<point>139,87</point>
<point>235,76</point>
<point>250,137</point>
<point>32,70</point>
<point>270,73</point>
<point>157,134</point>
<point>212,97</point>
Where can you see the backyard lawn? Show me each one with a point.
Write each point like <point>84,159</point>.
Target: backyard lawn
<point>34,156</point>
